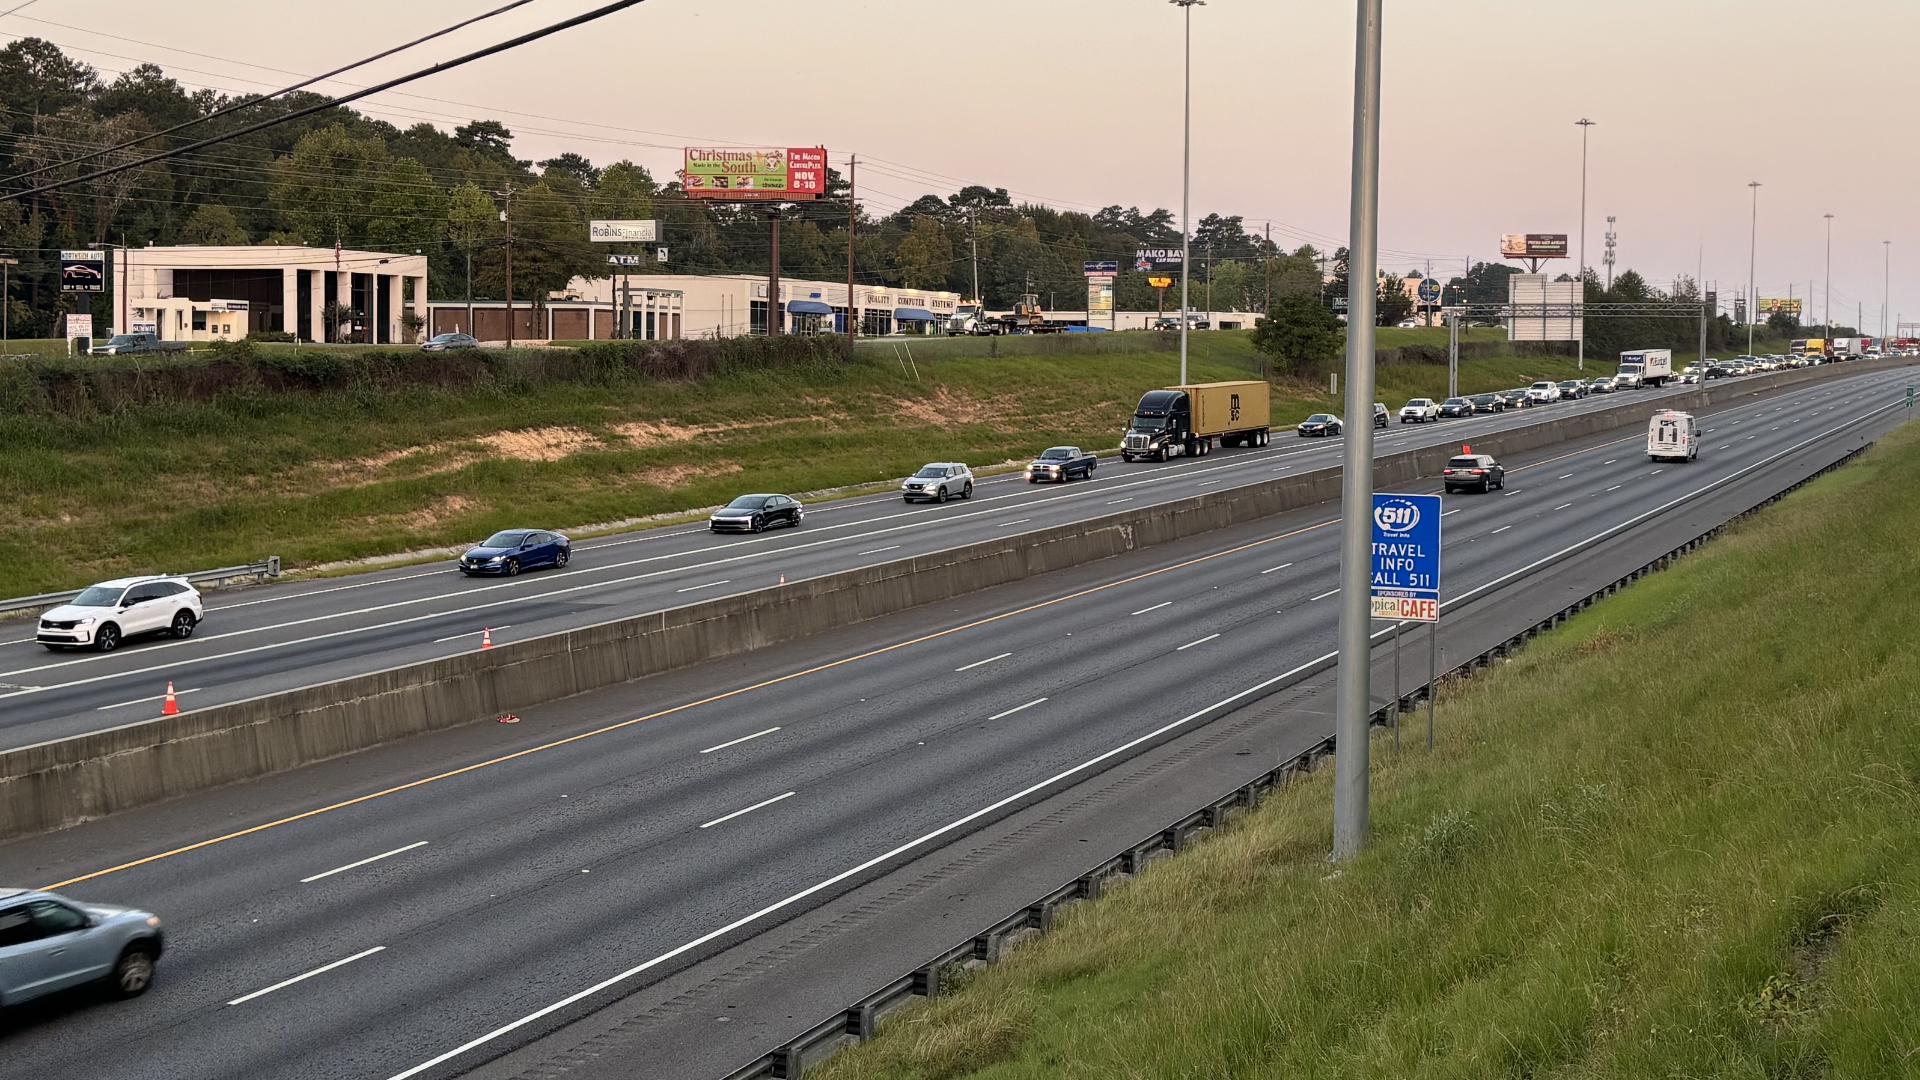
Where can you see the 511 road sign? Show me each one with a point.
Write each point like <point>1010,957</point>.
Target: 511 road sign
<point>1406,557</point>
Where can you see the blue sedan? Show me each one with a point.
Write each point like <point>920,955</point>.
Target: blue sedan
<point>509,552</point>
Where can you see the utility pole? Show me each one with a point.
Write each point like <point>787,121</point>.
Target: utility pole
<point>1353,700</point>
<point>7,263</point>
<point>1584,124</point>
<point>506,217</point>
<point>1267,307</point>
<point>1209,287</point>
<point>977,298</point>
<point>853,167</point>
<point>1186,182</point>
<point>1753,244</point>
<point>1886,292</point>
<point>1829,303</point>
<point>1607,257</point>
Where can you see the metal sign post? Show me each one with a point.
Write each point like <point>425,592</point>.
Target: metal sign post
<point>1433,668</point>
<point>1396,686</point>
<point>1405,581</point>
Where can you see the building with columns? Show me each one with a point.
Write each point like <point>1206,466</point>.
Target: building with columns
<point>381,296</point>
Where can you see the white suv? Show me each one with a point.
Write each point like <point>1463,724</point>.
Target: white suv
<point>1543,393</point>
<point>112,611</point>
<point>1419,411</point>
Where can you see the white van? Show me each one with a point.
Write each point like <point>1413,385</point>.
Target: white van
<point>1673,436</point>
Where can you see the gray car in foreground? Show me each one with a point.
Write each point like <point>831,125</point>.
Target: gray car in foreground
<point>49,943</point>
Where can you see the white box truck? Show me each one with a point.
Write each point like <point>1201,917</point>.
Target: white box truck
<point>1673,436</point>
<point>1646,367</point>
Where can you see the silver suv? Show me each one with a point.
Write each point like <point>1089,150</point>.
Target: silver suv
<point>49,943</point>
<point>938,482</point>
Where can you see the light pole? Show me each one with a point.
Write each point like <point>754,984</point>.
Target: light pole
<point>1827,331</point>
<point>1186,180</point>
<point>1583,124</point>
<point>1886,293</point>
<point>1353,693</point>
<point>1753,241</point>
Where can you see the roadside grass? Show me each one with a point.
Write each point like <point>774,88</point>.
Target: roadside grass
<point>1674,838</point>
<point>327,478</point>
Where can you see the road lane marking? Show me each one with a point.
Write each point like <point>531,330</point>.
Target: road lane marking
<point>1322,596</point>
<point>1271,569</point>
<point>1191,644</point>
<point>1563,506</point>
<point>1156,607</point>
<point>708,585</point>
<point>738,741</point>
<point>1500,530</point>
<point>988,660</point>
<point>1016,708</point>
<point>1004,524</point>
<point>1205,483</point>
<point>1656,472</point>
<point>472,633</point>
<point>1751,437</point>
<point>747,810</point>
<point>1111,502</point>
<point>876,551</point>
<point>321,970</point>
<point>1453,511</point>
<point>363,862</point>
<point>1515,491</point>
<point>1609,461</point>
<point>1615,487</point>
<point>1565,476</point>
<point>141,701</point>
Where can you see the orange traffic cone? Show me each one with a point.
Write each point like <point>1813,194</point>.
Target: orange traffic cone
<point>172,707</point>
<point>486,638</point>
<point>1466,448</point>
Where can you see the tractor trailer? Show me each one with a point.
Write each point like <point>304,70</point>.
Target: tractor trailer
<point>1186,420</point>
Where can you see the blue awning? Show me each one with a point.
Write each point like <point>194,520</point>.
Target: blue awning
<point>914,314</point>
<point>807,307</point>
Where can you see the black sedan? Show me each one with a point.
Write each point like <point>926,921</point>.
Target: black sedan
<point>756,513</point>
<point>1455,407</point>
<point>1469,471</point>
<point>1516,399</point>
<point>1488,403</point>
<point>512,550</point>
<point>1319,423</point>
<point>449,342</point>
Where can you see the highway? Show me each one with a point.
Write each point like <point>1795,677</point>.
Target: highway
<point>257,641</point>
<point>333,923</point>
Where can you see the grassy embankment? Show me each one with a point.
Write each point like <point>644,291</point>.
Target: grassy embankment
<point>1672,839</point>
<point>342,475</point>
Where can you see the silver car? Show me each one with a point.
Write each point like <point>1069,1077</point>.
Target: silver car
<point>49,943</point>
<point>938,482</point>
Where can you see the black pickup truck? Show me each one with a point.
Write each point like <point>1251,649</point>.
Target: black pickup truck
<point>1060,463</point>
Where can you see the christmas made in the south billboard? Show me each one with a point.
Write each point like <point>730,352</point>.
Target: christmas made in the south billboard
<point>792,174</point>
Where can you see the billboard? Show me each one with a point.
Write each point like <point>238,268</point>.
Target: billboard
<point>1099,299</point>
<point>1154,258</point>
<point>623,232</point>
<point>1770,305</point>
<point>795,174</point>
<point>1542,310</point>
<point>1103,266</point>
<point>1533,245</point>
<point>83,271</point>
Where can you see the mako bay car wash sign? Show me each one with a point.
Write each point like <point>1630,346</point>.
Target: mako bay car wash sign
<point>1406,557</point>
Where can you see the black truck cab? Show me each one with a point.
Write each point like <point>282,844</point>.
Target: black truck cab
<point>1162,426</point>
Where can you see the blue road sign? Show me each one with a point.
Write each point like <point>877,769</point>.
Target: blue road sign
<point>1406,557</point>
<point>1429,290</point>
<point>1104,266</point>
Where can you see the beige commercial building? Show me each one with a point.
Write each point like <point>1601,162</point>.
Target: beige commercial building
<point>374,295</point>
<point>731,305</point>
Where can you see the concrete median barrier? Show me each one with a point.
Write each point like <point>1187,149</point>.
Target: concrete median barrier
<point>61,783</point>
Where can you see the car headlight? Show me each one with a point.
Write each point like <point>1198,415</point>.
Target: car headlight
<point>498,558</point>
<point>88,621</point>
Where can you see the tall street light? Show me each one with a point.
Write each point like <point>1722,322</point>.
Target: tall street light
<point>1186,180</point>
<point>1583,123</point>
<point>1828,319</point>
<point>1753,239</point>
<point>1886,293</point>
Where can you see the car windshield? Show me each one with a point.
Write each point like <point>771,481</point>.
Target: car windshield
<point>97,596</point>
<point>1543,386</point>
<point>1319,418</point>
<point>1419,403</point>
<point>122,339</point>
<point>748,502</point>
<point>447,337</point>
<point>1483,399</point>
<point>1150,424</point>
<point>932,472</point>
<point>1058,453</point>
<point>1456,401</point>
<point>510,538</point>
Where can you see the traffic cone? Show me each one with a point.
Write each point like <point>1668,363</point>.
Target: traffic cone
<point>1465,448</point>
<point>172,707</point>
<point>486,638</point>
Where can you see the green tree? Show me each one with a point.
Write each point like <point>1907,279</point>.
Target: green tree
<point>212,223</point>
<point>472,221</point>
<point>1300,333</point>
<point>407,207</point>
<point>324,189</point>
<point>1392,302</point>
<point>924,255</point>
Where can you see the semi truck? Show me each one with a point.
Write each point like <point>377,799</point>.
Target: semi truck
<point>1186,420</point>
<point>1850,348</point>
<point>1645,367</point>
<point>970,317</point>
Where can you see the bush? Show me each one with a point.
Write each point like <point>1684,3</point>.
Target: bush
<point>277,336</point>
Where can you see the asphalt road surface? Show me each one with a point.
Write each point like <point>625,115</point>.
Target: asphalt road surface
<point>258,641</point>
<point>421,909</point>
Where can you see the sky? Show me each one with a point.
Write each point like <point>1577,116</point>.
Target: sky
<point>1077,103</point>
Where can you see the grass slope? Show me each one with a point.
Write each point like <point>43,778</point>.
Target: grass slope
<point>1673,839</point>
<point>316,478</point>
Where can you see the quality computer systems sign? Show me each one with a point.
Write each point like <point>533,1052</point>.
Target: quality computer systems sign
<point>1406,557</point>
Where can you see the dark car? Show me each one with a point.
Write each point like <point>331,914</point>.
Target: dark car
<point>512,550</point>
<point>1319,423</point>
<point>1469,471</point>
<point>1060,463</point>
<point>1488,403</point>
<point>1516,399</point>
<point>449,342</point>
<point>756,513</point>
<point>1455,406</point>
<point>1573,389</point>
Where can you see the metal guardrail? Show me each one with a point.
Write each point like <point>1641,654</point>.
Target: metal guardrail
<point>269,569</point>
<point>859,1021</point>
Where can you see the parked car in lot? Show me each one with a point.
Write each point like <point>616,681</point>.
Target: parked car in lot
<point>1319,423</point>
<point>938,482</point>
<point>1468,472</point>
<point>1060,463</point>
<point>512,550</point>
<point>49,943</point>
<point>1455,407</point>
<point>1419,411</point>
<point>1543,393</point>
<point>109,613</point>
<point>449,342</point>
<point>1573,389</point>
<point>756,513</point>
<point>1489,403</point>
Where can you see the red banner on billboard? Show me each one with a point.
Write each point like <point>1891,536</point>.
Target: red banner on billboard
<point>792,174</point>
